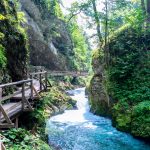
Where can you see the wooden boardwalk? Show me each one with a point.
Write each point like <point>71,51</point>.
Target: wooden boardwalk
<point>24,95</point>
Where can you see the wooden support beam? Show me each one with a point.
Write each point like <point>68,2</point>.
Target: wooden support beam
<point>28,104</point>
<point>2,147</point>
<point>5,114</point>
<point>50,85</point>
<point>42,83</point>
<point>36,92</point>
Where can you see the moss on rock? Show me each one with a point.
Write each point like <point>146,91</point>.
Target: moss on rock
<point>126,80</point>
<point>13,40</point>
<point>97,96</point>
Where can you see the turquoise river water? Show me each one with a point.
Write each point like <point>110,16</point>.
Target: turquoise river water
<point>81,130</point>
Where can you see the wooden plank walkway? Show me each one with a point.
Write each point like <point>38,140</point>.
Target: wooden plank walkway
<point>24,95</point>
<point>21,100</point>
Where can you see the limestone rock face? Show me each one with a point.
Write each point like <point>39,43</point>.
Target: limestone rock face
<point>49,40</point>
<point>97,66</point>
<point>98,97</point>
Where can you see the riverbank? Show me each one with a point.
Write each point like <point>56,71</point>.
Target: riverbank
<point>31,134</point>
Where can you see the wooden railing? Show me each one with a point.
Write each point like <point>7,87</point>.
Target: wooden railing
<point>24,92</point>
<point>24,104</point>
<point>68,73</point>
<point>42,78</point>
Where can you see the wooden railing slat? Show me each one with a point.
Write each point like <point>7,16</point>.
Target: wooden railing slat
<point>9,96</point>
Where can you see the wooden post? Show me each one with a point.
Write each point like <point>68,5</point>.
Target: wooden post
<point>16,123</point>
<point>46,80</point>
<point>40,81</point>
<point>0,102</point>
<point>23,96</point>
<point>2,147</point>
<point>0,93</point>
<point>31,86</point>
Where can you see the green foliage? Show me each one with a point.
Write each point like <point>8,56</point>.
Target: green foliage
<point>2,58</point>
<point>121,115</point>
<point>128,80</point>
<point>81,48</point>
<point>2,17</point>
<point>52,102</point>
<point>18,139</point>
<point>97,54</point>
<point>14,40</point>
<point>51,7</point>
<point>128,71</point>
<point>124,12</point>
<point>141,119</point>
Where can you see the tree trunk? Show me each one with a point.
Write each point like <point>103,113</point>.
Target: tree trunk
<point>143,7</point>
<point>96,16</point>
<point>106,21</point>
<point>106,34</point>
<point>148,13</point>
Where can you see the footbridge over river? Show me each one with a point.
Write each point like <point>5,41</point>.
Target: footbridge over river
<point>25,94</point>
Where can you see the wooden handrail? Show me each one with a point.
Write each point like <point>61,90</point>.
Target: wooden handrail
<point>71,73</point>
<point>38,73</point>
<point>15,83</point>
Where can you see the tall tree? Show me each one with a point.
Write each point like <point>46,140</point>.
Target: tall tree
<point>143,7</point>
<point>97,21</point>
<point>89,8</point>
<point>148,12</point>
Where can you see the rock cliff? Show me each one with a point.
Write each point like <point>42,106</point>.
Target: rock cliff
<point>13,42</point>
<point>97,94</point>
<point>49,40</point>
<point>126,81</point>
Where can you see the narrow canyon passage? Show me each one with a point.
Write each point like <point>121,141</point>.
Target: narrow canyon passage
<point>81,130</point>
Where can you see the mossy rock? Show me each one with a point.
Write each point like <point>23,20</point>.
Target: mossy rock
<point>13,39</point>
<point>97,97</point>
